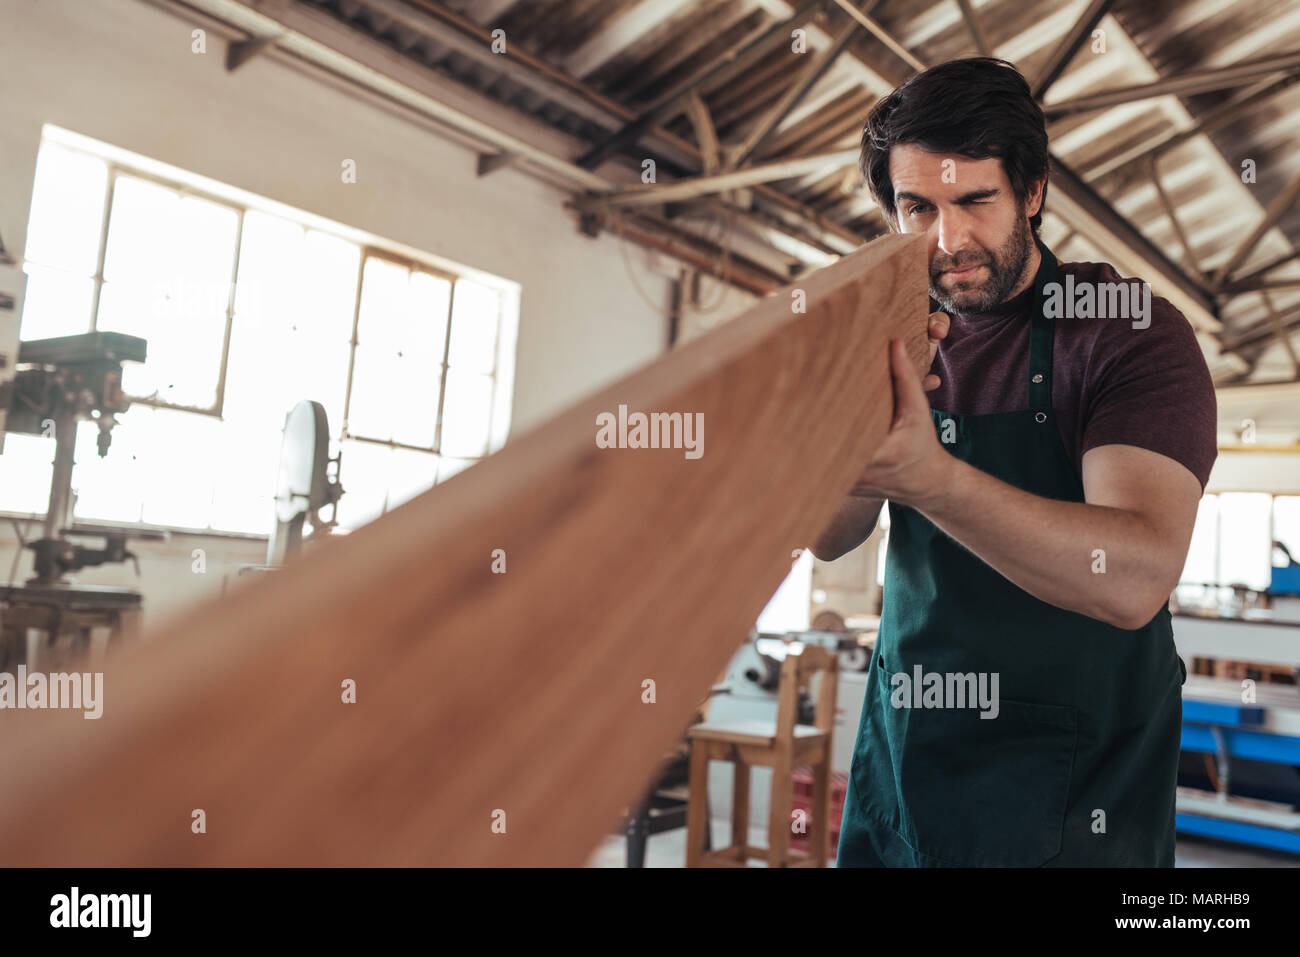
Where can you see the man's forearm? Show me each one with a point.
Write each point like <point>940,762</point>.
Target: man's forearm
<point>851,525</point>
<point>1107,563</point>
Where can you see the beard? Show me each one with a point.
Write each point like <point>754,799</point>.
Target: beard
<point>1005,266</point>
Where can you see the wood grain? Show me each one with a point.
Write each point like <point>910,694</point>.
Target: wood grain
<point>483,694</point>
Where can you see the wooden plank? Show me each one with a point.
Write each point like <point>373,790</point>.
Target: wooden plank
<point>512,698</point>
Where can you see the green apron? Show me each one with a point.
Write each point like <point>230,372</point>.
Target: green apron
<point>1079,766</point>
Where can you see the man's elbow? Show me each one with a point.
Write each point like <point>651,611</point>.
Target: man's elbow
<point>1137,611</point>
<point>834,543</point>
<point>825,551</point>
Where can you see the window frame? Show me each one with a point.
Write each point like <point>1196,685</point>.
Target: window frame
<point>241,202</point>
<point>369,252</point>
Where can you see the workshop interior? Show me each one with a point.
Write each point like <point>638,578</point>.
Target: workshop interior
<point>271,270</point>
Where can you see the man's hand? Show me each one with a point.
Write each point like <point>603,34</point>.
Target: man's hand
<point>909,465</point>
<point>938,330</point>
<point>856,517</point>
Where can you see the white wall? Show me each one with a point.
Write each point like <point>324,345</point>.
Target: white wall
<point>123,72</point>
<point>1255,472</point>
<point>1272,413</point>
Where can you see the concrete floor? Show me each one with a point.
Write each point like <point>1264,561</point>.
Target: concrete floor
<point>669,850</point>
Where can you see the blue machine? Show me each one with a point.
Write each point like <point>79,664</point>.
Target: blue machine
<point>1285,581</point>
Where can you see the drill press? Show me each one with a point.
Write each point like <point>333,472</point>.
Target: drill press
<point>56,383</point>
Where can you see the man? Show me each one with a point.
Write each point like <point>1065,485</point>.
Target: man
<point>1024,700</point>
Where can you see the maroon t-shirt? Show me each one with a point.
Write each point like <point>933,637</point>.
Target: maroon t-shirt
<point>1112,384</point>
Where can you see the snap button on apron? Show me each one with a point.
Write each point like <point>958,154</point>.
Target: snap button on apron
<point>1038,377</point>
<point>1040,416</point>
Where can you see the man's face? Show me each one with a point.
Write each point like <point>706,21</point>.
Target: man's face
<point>980,242</point>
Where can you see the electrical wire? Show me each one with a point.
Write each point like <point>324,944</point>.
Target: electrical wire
<point>725,237</point>
<point>726,234</point>
<point>616,221</point>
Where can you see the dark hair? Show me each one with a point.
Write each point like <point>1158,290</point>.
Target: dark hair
<point>978,107</point>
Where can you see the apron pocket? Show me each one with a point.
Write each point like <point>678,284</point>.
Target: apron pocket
<point>874,773</point>
<point>986,792</point>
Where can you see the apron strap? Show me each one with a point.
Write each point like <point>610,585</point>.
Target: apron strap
<point>1040,340</point>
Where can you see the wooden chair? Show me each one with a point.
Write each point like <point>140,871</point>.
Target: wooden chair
<point>664,807</point>
<point>782,745</point>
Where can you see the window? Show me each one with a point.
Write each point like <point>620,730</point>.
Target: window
<point>1286,526</point>
<point>1232,543</point>
<point>1245,531</point>
<point>1202,565</point>
<point>249,307</point>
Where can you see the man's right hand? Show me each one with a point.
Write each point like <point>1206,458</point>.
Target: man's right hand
<point>856,518</point>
